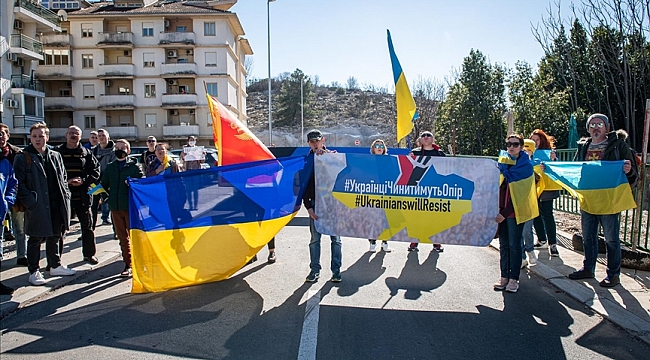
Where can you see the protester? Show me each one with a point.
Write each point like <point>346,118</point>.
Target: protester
<point>190,164</point>
<point>316,142</point>
<point>83,170</point>
<point>17,216</point>
<point>427,148</point>
<point>545,226</point>
<point>8,186</point>
<point>509,231</point>
<point>192,186</point>
<point>378,147</point>
<point>149,155</point>
<point>93,140</point>
<point>527,236</point>
<point>114,181</point>
<point>606,146</point>
<point>105,155</point>
<point>162,163</point>
<point>42,189</point>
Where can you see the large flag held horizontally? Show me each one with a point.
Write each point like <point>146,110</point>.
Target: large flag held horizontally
<point>236,144</point>
<point>521,183</point>
<point>406,110</point>
<point>600,186</point>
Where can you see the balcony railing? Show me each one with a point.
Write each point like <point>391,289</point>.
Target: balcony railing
<point>180,130</point>
<point>54,71</point>
<point>116,101</point>
<point>27,43</point>
<point>124,131</point>
<point>179,69</point>
<point>25,121</point>
<point>116,70</point>
<point>58,103</point>
<point>120,38</point>
<point>179,99</point>
<point>26,82</point>
<point>57,40</point>
<point>38,10</point>
<point>179,38</point>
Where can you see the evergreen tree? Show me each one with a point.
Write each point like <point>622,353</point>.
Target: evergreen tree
<point>288,101</point>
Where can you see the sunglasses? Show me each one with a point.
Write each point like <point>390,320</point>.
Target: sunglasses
<point>379,146</point>
<point>426,135</point>
<point>600,125</point>
<point>151,140</point>
<point>513,144</point>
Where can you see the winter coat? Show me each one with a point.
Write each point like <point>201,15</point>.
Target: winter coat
<point>33,191</point>
<point>72,158</point>
<point>113,181</point>
<point>105,156</point>
<point>8,185</point>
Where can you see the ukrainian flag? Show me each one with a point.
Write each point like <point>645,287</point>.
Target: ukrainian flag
<point>521,183</point>
<point>406,110</point>
<point>545,183</point>
<point>234,212</point>
<point>600,186</point>
<point>96,189</point>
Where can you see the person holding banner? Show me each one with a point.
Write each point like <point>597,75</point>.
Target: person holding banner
<point>510,228</point>
<point>527,236</point>
<point>545,226</point>
<point>378,147</point>
<point>427,148</point>
<point>606,146</point>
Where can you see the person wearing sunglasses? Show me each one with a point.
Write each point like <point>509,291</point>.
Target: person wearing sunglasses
<point>427,148</point>
<point>510,233</point>
<point>149,156</point>
<point>603,145</point>
<point>378,147</point>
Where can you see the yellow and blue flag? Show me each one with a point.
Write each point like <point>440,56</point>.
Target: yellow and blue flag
<point>521,183</point>
<point>600,186</point>
<point>406,110</point>
<point>201,226</point>
<point>96,189</point>
<point>545,183</point>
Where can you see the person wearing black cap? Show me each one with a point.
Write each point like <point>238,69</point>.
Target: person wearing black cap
<point>603,145</point>
<point>427,148</point>
<point>317,144</point>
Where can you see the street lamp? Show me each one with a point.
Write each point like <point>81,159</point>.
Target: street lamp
<point>268,21</point>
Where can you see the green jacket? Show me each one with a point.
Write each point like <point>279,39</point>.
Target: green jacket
<point>114,182</point>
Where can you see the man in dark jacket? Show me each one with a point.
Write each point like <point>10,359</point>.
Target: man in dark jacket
<point>316,142</point>
<point>603,145</point>
<point>114,181</point>
<point>83,170</point>
<point>42,188</point>
<point>104,152</point>
<point>17,217</point>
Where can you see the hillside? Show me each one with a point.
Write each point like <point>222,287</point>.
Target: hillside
<point>343,116</point>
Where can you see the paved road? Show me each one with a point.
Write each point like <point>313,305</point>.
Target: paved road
<point>398,305</point>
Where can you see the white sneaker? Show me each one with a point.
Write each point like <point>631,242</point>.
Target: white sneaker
<point>373,248</point>
<point>532,259</point>
<point>513,286</point>
<point>37,279</point>
<point>62,271</point>
<point>524,263</point>
<point>385,248</point>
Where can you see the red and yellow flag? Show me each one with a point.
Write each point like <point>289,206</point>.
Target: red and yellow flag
<point>235,142</point>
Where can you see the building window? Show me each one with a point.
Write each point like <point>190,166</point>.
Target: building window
<point>181,28</point>
<point>124,90</point>
<point>86,30</point>
<point>55,57</point>
<point>210,59</point>
<point>149,59</point>
<point>89,91</point>
<point>87,61</point>
<point>149,90</point>
<point>89,121</point>
<point>64,92</point>
<point>125,120</point>
<point>147,29</point>
<point>150,120</point>
<point>209,29</point>
<point>212,89</point>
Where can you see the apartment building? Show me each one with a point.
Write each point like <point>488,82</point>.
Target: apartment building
<point>140,70</point>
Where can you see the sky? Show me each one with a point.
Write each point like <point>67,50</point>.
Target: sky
<point>336,39</point>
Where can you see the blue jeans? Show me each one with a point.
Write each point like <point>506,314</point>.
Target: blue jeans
<point>18,227</point>
<point>510,248</point>
<point>611,226</point>
<point>105,210</point>
<point>314,250</point>
<point>545,223</point>
<point>527,238</point>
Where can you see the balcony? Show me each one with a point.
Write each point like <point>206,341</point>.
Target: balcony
<point>58,133</point>
<point>26,82</point>
<point>59,103</point>
<point>110,71</point>
<point>177,38</point>
<point>63,72</point>
<point>117,40</point>
<point>28,10</point>
<point>179,131</point>
<point>22,123</point>
<point>116,102</point>
<point>126,132</point>
<point>57,40</point>
<point>179,100</point>
<point>26,47</point>
<point>177,70</point>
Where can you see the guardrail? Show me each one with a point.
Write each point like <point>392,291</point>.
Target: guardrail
<point>26,82</point>
<point>27,43</point>
<point>38,10</point>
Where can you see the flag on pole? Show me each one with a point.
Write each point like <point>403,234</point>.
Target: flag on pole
<point>235,142</point>
<point>406,110</point>
<point>96,189</point>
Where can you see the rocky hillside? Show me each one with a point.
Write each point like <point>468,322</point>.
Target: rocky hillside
<point>342,115</point>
